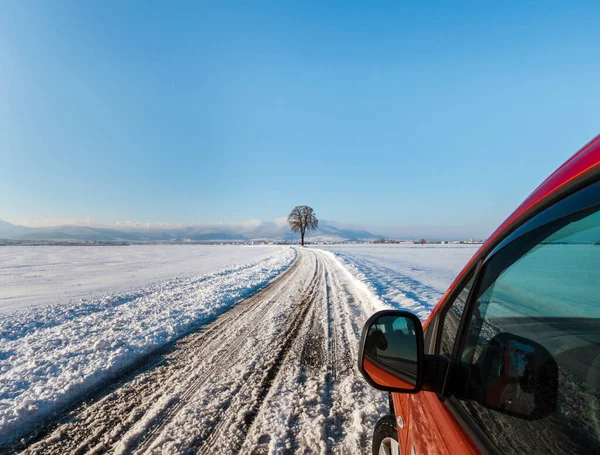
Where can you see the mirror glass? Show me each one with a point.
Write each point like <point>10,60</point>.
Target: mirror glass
<point>391,346</point>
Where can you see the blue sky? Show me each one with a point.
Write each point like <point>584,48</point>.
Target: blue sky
<point>433,117</point>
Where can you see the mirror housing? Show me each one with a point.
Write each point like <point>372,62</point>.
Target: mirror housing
<point>391,354</point>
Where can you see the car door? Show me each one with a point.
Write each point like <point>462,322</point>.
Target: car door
<point>524,371</point>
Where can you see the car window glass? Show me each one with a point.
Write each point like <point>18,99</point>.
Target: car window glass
<point>529,371</point>
<point>452,320</point>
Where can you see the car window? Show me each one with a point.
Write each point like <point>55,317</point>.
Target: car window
<point>529,370</point>
<point>452,319</point>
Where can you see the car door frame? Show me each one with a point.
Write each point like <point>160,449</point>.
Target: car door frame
<point>449,413</point>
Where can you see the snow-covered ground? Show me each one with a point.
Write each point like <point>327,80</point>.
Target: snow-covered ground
<point>51,354</point>
<point>38,276</point>
<point>276,374</point>
<point>411,277</point>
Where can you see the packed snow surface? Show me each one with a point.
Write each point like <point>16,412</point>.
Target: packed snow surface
<point>411,277</point>
<point>42,275</point>
<point>51,354</point>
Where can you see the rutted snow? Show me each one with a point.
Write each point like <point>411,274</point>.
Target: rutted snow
<point>39,276</point>
<point>317,403</point>
<point>52,354</point>
<point>328,405</point>
<point>411,277</point>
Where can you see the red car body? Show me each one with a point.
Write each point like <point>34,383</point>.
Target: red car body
<point>425,424</point>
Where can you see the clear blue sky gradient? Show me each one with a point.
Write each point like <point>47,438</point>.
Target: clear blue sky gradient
<point>435,116</point>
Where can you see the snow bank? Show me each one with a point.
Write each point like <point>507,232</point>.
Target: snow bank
<point>51,355</point>
<point>46,275</point>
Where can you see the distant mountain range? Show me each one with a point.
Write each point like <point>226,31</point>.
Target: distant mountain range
<point>245,231</point>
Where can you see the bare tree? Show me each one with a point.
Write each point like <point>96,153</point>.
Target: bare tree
<point>422,241</point>
<point>301,219</point>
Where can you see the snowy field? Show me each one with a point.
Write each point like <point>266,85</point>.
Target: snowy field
<point>411,277</point>
<point>38,276</point>
<point>74,317</point>
<point>277,374</point>
<point>51,354</point>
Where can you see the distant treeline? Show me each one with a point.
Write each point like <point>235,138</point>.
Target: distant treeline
<point>60,243</point>
<point>424,242</point>
<point>5,242</point>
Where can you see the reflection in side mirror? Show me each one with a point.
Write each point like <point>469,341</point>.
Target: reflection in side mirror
<point>391,351</point>
<point>519,377</point>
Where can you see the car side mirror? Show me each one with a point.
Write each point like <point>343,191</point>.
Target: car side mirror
<point>391,355</point>
<point>518,377</point>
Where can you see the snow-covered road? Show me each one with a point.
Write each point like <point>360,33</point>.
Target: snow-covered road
<point>275,374</point>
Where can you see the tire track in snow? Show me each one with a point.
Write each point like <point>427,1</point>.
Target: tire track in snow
<point>356,405</point>
<point>329,409</point>
<point>307,423</point>
<point>297,319</point>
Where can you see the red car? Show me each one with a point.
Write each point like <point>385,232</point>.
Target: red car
<point>509,359</point>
